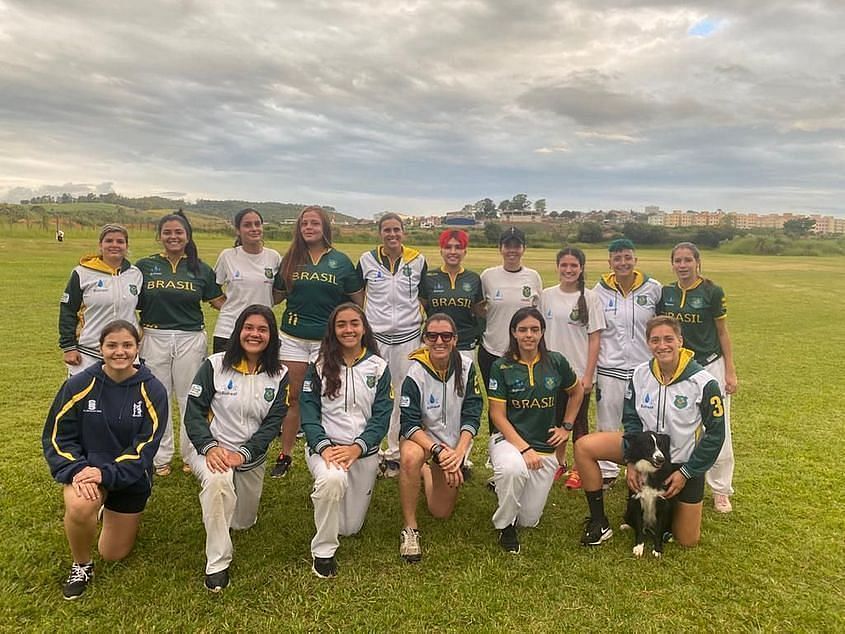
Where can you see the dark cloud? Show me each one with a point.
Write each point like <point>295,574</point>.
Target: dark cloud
<point>420,104</point>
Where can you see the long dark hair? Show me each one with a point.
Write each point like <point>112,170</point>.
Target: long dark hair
<point>518,316</point>
<point>331,354</point>
<point>191,247</point>
<point>236,222</point>
<point>297,253</point>
<point>578,254</point>
<point>270,357</point>
<point>455,358</point>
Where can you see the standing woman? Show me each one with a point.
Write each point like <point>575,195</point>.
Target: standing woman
<point>441,406</point>
<point>315,278</point>
<point>454,291</point>
<point>346,406</point>
<point>393,275</point>
<point>574,321</point>
<point>699,305</point>
<point>235,408</point>
<point>104,287</point>
<point>246,271</point>
<point>99,439</point>
<point>176,282</point>
<point>629,299</point>
<point>522,392</point>
<point>506,289</point>
<point>692,416</point>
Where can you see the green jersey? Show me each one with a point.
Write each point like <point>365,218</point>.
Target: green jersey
<point>530,391</point>
<point>455,296</point>
<point>317,288</point>
<point>171,296</point>
<point>697,308</point>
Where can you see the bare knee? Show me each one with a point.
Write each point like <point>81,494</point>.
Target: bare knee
<point>411,457</point>
<point>81,511</point>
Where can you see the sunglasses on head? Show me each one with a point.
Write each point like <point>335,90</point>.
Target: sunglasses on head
<point>431,337</point>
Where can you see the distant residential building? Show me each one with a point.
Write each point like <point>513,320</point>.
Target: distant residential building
<point>521,215</point>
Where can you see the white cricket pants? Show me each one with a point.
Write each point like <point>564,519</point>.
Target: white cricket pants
<point>609,414</point>
<point>229,500</point>
<point>399,364</point>
<point>721,474</point>
<point>522,492</point>
<point>174,356</point>
<point>341,499</point>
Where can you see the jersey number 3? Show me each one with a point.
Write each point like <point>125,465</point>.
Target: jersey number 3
<point>718,409</point>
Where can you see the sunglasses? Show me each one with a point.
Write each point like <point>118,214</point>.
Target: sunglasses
<point>431,337</point>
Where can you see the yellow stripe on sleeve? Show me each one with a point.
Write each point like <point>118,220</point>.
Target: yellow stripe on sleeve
<point>154,417</point>
<point>73,401</point>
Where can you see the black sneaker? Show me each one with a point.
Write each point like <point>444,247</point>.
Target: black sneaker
<point>78,579</point>
<point>596,531</point>
<point>324,567</point>
<point>217,581</point>
<point>282,466</point>
<point>509,540</point>
<point>409,545</point>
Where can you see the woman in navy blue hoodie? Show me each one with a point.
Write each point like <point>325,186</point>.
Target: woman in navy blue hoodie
<point>101,434</point>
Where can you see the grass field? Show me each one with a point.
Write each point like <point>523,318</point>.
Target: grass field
<point>776,564</point>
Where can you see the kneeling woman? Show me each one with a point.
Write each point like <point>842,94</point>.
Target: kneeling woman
<point>235,408</point>
<point>674,395</point>
<point>440,409</point>
<point>345,408</point>
<point>522,390</point>
<point>99,439</point>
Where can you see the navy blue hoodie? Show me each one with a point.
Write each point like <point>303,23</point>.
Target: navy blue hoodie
<point>116,427</point>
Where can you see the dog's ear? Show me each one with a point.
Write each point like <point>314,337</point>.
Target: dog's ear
<point>628,440</point>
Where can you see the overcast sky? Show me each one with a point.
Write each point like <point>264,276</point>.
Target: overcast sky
<point>422,106</point>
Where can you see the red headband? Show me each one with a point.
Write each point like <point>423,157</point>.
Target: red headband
<point>454,234</point>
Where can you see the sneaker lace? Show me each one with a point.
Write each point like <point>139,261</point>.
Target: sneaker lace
<point>411,539</point>
<point>78,573</point>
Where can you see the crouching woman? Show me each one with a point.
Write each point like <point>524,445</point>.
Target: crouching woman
<point>345,407</point>
<point>101,434</point>
<point>235,408</point>
<point>671,394</point>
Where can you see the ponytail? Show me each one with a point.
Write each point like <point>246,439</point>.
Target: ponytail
<point>578,254</point>
<point>457,362</point>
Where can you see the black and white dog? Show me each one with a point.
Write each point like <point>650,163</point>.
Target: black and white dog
<point>648,511</point>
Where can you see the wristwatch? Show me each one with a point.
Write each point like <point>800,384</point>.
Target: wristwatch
<point>567,426</point>
<point>436,448</point>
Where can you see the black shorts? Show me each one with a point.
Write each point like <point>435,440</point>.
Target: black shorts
<point>127,500</point>
<point>693,491</point>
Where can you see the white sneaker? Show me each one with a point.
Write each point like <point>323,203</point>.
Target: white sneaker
<point>722,503</point>
<point>409,545</point>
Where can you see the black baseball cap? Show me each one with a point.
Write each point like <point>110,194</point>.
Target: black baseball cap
<point>512,233</point>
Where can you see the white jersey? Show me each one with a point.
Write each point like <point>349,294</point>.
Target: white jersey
<point>505,292</point>
<point>392,303</point>
<point>623,346</point>
<point>564,331</point>
<point>248,279</point>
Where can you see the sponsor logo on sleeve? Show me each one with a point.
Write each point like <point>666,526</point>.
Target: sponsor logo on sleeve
<point>405,401</point>
<point>65,298</point>
<point>195,391</point>
<point>493,384</point>
<point>306,386</point>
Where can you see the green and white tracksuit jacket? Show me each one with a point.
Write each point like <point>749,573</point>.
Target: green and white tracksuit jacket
<point>95,295</point>
<point>235,409</point>
<point>430,403</point>
<point>359,414</point>
<point>623,346</point>
<point>690,401</point>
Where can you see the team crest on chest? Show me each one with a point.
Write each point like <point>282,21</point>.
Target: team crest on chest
<point>681,401</point>
<point>268,273</point>
<point>575,314</point>
<point>371,380</point>
<point>550,382</point>
<point>467,287</point>
<point>526,291</point>
<point>269,394</point>
<point>406,271</point>
<point>642,300</point>
<point>133,290</point>
<point>136,410</point>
